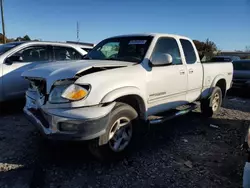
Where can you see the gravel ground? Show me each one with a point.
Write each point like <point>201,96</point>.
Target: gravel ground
<point>185,152</point>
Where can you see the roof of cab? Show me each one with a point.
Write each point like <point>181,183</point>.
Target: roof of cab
<point>152,34</point>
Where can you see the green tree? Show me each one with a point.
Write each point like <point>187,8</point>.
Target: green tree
<point>18,39</point>
<point>206,49</point>
<point>26,38</point>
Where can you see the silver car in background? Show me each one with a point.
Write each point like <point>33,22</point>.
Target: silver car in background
<point>241,76</point>
<point>17,57</point>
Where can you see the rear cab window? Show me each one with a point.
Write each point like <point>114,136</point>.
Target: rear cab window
<point>189,51</point>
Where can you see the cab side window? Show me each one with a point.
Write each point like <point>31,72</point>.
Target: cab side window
<point>189,52</point>
<point>34,54</point>
<point>66,53</point>
<point>169,46</point>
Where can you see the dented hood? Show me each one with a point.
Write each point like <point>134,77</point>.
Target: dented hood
<point>52,72</point>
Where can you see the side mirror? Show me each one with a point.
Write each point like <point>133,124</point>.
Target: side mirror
<point>161,59</point>
<point>14,58</point>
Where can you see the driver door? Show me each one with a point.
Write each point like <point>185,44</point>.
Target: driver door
<point>14,86</point>
<point>167,85</point>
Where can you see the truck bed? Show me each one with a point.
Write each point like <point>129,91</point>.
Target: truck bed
<point>212,72</point>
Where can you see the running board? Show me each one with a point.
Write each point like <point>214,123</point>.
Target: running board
<point>172,114</point>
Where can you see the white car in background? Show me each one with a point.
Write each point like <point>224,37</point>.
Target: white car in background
<point>17,57</point>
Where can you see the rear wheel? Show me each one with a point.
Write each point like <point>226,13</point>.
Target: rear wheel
<point>211,105</point>
<point>119,134</point>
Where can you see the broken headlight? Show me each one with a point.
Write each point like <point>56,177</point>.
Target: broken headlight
<point>56,94</point>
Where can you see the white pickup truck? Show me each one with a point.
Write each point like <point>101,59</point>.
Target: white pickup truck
<point>124,80</point>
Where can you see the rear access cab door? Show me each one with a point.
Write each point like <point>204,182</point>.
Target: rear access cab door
<point>194,69</point>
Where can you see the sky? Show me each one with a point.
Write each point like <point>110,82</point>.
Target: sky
<point>226,22</point>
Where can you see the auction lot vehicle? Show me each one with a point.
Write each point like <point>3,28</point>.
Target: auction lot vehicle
<point>16,57</point>
<point>124,81</point>
<point>241,76</point>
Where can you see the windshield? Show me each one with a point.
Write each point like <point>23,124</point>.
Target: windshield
<point>132,49</point>
<point>6,47</point>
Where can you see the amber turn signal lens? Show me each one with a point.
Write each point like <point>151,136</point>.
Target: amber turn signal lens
<point>75,92</point>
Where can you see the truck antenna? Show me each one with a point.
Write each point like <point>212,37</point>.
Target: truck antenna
<point>77,31</point>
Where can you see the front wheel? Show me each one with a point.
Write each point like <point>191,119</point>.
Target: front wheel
<point>211,105</point>
<point>119,133</point>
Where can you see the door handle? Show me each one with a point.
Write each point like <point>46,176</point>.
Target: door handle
<point>190,71</point>
<point>182,72</point>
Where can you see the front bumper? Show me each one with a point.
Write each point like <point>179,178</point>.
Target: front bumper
<point>89,122</point>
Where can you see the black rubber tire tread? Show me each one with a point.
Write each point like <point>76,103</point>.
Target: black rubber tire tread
<point>104,153</point>
<point>206,108</point>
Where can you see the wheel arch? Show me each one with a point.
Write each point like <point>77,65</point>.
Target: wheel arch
<point>129,95</point>
<point>223,86</point>
<point>220,82</point>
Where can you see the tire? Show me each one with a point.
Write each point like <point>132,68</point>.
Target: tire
<point>212,104</point>
<point>120,137</point>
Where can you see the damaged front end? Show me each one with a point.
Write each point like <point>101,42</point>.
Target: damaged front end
<point>61,106</point>
<point>52,113</point>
